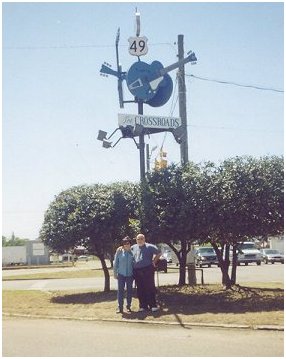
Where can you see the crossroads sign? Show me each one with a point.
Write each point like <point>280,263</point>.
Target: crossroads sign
<point>147,121</point>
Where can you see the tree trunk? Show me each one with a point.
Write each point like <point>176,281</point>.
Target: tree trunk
<point>111,260</point>
<point>234,264</point>
<point>225,266</point>
<point>106,273</point>
<point>223,258</point>
<point>225,276</point>
<point>183,260</point>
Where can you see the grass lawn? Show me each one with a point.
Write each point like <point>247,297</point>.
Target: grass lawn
<point>82,273</point>
<point>257,304</point>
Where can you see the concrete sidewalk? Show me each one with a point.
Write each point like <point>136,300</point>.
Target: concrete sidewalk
<point>155,323</point>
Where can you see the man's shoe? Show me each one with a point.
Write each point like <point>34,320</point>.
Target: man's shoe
<point>128,309</point>
<point>119,311</point>
<point>154,309</point>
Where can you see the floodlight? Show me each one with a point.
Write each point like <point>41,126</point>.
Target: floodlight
<point>106,144</point>
<point>101,135</point>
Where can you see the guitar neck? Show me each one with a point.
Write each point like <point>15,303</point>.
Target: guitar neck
<point>174,66</point>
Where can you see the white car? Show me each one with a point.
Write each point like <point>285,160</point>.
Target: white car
<point>168,256</point>
<point>248,253</point>
<point>272,256</point>
<point>83,258</point>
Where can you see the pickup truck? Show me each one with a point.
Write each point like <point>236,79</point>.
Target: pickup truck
<point>248,253</point>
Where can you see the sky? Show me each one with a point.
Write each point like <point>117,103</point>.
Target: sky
<point>55,101</point>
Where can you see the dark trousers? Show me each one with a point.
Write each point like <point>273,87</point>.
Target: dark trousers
<point>146,291</point>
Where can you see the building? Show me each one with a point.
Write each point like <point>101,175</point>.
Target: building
<point>32,253</point>
<point>277,242</point>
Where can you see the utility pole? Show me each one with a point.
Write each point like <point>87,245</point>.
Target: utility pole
<point>184,145</point>
<point>182,101</point>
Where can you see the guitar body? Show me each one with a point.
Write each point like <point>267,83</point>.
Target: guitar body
<point>144,80</point>
<point>163,94</point>
<point>151,83</point>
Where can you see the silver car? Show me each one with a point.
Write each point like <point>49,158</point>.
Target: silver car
<point>205,256</point>
<point>272,256</point>
<point>168,256</point>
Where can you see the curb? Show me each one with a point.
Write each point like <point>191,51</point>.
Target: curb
<point>135,321</point>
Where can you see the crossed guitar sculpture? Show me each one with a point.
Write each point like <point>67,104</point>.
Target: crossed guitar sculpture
<point>149,83</point>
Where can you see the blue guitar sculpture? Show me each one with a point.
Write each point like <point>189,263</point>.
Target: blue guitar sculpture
<point>151,83</point>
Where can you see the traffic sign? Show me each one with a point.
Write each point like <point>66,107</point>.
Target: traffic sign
<point>138,45</point>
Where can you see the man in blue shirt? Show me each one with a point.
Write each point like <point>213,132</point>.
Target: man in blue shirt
<point>146,256</point>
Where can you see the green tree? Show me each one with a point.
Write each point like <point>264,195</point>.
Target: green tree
<point>245,200</point>
<point>169,214</point>
<point>126,197</point>
<point>239,199</point>
<point>13,241</point>
<point>94,216</point>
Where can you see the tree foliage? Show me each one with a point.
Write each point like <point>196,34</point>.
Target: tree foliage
<point>95,216</point>
<point>170,214</point>
<point>13,241</point>
<point>239,199</point>
<point>223,204</point>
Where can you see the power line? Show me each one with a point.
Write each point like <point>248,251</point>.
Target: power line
<point>235,84</point>
<point>55,47</point>
<point>235,129</point>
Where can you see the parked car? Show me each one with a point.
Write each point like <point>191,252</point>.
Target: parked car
<point>205,256</point>
<point>168,256</point>
<point>248,253</point>
<point>272,256</point>
<point>162,265</point>
<point>83,258</point>
<point>67,257</point>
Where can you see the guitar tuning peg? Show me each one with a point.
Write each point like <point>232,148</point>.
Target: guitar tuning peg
<point>108,65</point>
<point>189,52</point>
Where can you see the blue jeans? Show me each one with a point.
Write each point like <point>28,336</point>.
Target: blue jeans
<point>122,280</point>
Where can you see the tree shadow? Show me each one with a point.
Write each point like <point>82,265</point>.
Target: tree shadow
<point>136,315</point>
<point>85,298</point>
<point>188,300</point>
<point>238,300</point>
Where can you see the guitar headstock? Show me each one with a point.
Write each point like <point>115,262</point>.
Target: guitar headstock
<point>191,56</point>
<point>107,70</point>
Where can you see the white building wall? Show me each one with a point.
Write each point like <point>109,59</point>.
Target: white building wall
<point>277,243</point>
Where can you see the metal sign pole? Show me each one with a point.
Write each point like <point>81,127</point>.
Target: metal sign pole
<point>141,145</point>
<point>150,84</point>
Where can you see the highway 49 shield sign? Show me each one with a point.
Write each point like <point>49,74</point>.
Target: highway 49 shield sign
<point>138,46</point>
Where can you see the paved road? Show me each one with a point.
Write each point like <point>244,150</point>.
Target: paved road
<point>62,338</point>
<point>245,274</point>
